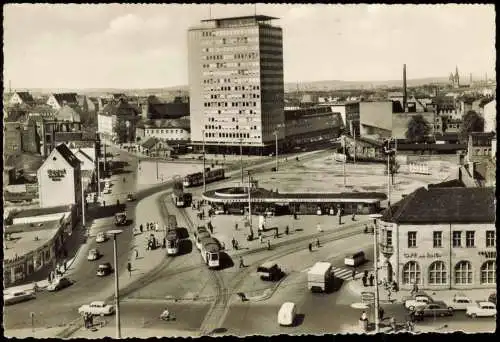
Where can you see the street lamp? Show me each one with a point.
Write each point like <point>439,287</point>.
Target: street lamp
<point>389,151</point>
<point>204,182</point>
<point>83,203</point>
<point>249,204</point>
<point>375,266</point>
<point>275,133</point>
<point>241,159</point>
<point>116,232</point>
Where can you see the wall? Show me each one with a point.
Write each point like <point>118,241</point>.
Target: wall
<point>490,116</point>
<point>167,133</point>
<point>425,254</point>
<point>65,188</point>
<point>40,218</point>
<point>12,138</point>
<point>375,118</point>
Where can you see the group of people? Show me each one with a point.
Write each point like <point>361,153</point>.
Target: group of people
<point>235,243</point>
<point>368,279</point>
<point>311,245</point>
<point>151,226</point>
<point>88,320</point>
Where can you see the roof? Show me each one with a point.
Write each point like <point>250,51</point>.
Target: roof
<point>121,107</point>
<point>25,96</point>
<point>68,155</point>
<point>256,17</point>
<point>182,123</point>
<point>26,161</point>
<point>433,205</point>
<point>320,267</point>
<point>70,98</point>
<point>149,142</point>
<point>172,110</point>
<point>24,241</point>
<point>454,183</point>
<point>41,211</point>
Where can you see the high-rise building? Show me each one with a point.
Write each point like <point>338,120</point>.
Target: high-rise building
<point>236,84</point>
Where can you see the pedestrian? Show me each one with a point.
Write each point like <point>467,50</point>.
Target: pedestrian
<point>317,243</point>
<point>103,203</point>
<point>353,273</point>
<point>236,226</point>
<point>147,226</point>
<point>371,279</point>
<point>381,313</point>
<point>261,238</point>
<point>389,295</point>
<point>164,245</point>
<point>364,279</point>
<point>136,253</point>
<point>276,233</point>
<point>393,323</point>
<point>85,320</point>
<point>241,262</point>
<point>117,203</point>
<point>233,242</point>
<point>129,269</point>
<point>141,228</point>
<point>319,228</point>
<point>364,316</point>
<point>236,246</point>
<point>340,220</point>
<point>287,230</point>
<point>353,218</point>
<point>310,247</point>
<point>269,245</point>
<point>366,228</point>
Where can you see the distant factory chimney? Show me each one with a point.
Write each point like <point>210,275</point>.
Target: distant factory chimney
<point>470,75</point>
<point>405,106</point>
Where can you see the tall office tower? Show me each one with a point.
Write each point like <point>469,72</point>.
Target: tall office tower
<point>236,84</point>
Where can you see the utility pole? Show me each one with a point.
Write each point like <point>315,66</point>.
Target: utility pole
<point>104,145</point>
<point>204,182</point>
<point>345,159</point>
<point>354,136</point>
<point>98,177</point>
<point>375,258</point>
<point>276,139</point>
<point>241,160</point>
<point>250,203</point>
<point>116,232</point>
<point>83,203</point>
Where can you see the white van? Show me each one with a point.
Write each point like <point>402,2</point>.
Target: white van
<point>355,259</point>
<point>286,315</point>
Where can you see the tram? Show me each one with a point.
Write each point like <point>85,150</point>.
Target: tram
<point>196,179</point>
<point>200,234</point>
<point>173,241</point>
<point>210,251</point>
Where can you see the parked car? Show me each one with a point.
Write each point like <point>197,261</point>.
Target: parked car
<point>104,269</point>
<point>59,284</point>
<point>17,297</point>
<point>97,308</point>
<point>130,198</point>
<point>107,191</point>
<point>94,254</point>
<point>270,271</point>
<point>482,309</point>
<point>286,315</point>
<point>493,298</point>
<point>433,309</point>
<point>459,302</point>
<point>101,237</point>
<point>417,303</point>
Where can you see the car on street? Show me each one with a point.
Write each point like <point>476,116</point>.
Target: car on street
<point>18,297</point>
<point>482,309</point>
<point>433,309</point>
<point>97,308</point>
<point>130,198</point>
<point>417,303</point>
<point>286,314</point>
<point>107,191</point>
<point>104,269</point>
<point>59,284</point>
<point>459,302</point>
<point>94,254</point>
<point>270,271</point>
<point>493,298</point>
<point>100,237</point>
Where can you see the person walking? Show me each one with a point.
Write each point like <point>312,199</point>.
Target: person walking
<point>129,269</point>
<point>236,246</point>
<point>287,230</point>
<point>136,253</point>
<point>372,277</point>
<point>268,245</point>
<point>381,313</point>
<point>241,262</point>
<point>236,226</point>
<point>261,238</point>
<point>317,243</point>
<point>310,247</point>
<point>141,228</point>
<point>276,233</point>
<point>233,242</point>
<point>353,273</point>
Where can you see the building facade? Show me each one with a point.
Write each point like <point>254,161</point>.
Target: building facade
<point>236,83</point>
<point>349,111</point>
<point>60,174</point>
<point>428,240</point>
<point>168,130</point>
<point>490,116</point>
<point>57,101</point>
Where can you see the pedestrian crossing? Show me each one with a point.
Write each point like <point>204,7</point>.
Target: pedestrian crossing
<point>339,272</point>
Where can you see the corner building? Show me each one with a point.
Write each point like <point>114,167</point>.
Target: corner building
<point>236,85</point>
<point>440,238</point>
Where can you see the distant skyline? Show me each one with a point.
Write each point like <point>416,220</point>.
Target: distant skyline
<point>145,46</point>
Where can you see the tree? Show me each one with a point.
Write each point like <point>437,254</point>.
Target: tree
<point>418,129</point>
<point>121,131</point>
<point>471,122</point>
<point>444,123</point>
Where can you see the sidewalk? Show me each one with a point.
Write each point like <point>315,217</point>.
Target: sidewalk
<point>356,287</point>
<point>132,333</point>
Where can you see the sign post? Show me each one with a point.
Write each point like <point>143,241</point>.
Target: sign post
<point>32,316</point>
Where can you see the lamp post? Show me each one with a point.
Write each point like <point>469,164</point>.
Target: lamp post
<point>83,203</point>
<point>116,232</point>
<point>345,159</point>
<point>353,132</point>
<point>241,159</point>
<point>375,266</point>
<point>204,182</point>
<point>250,204</point>
<point>388,151</point>
<point>98,178</point>
<point>276,139</point>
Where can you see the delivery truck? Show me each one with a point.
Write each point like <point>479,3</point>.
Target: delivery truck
<point>319,277</point>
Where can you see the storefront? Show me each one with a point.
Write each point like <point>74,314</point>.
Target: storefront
<point>449,248</point>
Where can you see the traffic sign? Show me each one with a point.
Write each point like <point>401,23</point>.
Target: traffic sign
<point>367,297</point>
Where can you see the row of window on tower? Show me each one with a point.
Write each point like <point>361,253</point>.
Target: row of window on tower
<point>470,239</point>
<point>438,273</point>
<point>220,127</point>
<point>237,96</point>
<point>231,104</point>
<point>227,135</point>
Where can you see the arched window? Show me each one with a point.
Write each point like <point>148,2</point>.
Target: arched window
<point>463,273</point>
<point>488,272</point>
<point>437,273</point>
<point>411,273</point>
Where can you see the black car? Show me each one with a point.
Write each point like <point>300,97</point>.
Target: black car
<point>433,309</point>
<point>59,284</point>
<point>493,298</point>
<point>130,197</point>
<point>104,269</point>
<point>270,271</point>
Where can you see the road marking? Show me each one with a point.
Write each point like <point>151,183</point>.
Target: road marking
<point>342,273</point>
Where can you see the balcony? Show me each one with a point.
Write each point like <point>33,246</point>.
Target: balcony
<point>386,250</point>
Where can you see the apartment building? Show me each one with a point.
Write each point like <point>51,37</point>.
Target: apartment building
<point>236,84</point>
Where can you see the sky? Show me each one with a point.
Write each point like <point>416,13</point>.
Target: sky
<point>145,46</point>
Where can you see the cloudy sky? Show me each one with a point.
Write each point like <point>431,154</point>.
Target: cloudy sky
<point>145,46</point>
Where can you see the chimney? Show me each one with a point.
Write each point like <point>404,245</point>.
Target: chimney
<point>405,107</point>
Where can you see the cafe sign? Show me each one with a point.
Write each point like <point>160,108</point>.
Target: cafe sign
<point>56,175</point>
<point>427,255</point>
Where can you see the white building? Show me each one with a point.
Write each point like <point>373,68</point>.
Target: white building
<point>490,116</point>
<point>106,124</point>
<point>236,83</point>
<point>440,238</point>
<point>59,179</point>
<point>168,130</point>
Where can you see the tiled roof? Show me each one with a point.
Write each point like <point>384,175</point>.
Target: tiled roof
<point>119,108</point>
<point>70,98</point>
<point>149,143</point>
<point>68,155</point>
<point>182,122</point>
<point>28,161</point>
<point>25,96</point>
<point>444,205</point>
<point>172,110</point>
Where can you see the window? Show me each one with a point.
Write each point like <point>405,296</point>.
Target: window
<point>437,239</point>
<point>457,239</point>
<point>437,273</point>
<point>490,238</point>
<point>388,237</point>
<point>412,239</point>
<point>463,273</point>
<point>469,238</point>
<point>411,273</point>
<point>488,272</point>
